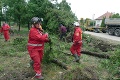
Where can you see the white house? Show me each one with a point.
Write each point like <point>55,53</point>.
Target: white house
<point>98,20</point>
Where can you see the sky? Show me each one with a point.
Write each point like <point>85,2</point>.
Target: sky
<point>93,8</point>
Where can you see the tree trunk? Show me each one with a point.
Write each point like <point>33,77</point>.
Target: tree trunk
<point>59,63</point>
<point>93,54</point>
<point>96,54</point>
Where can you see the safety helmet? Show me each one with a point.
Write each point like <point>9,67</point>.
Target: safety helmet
<point>61,25</point>
<point>35,20</point>
<point>76,24</point>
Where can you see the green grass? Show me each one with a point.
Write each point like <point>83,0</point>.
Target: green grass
<point>14,59</point>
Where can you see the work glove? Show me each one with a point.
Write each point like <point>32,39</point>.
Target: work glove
<point>46,34</point>
<point>76,42</point>
<point>47,40</point>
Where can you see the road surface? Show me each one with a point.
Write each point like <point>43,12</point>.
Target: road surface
<point>104,35</point>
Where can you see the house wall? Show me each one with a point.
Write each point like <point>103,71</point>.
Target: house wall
<point>98,22</point>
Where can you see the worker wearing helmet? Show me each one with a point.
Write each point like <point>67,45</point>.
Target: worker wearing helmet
<point>5,29</point>
<point>77,42</point>
<point>35,46</point>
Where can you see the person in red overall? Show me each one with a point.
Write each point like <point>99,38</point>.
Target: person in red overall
<point>35,46</point>
<point>5,30</point>
<point>77,42</point>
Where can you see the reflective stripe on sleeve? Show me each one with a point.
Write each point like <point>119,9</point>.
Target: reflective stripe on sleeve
<point>34,44</point>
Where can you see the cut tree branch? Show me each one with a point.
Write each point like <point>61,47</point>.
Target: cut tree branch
<point>60,63</point>
<point>93,54</point>
<point>96,54</point>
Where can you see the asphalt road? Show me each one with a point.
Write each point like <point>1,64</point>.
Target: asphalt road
<point>104,35</point>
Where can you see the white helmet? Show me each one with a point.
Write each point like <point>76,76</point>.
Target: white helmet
<point>76,24</point>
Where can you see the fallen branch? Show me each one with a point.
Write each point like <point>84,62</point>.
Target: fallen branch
<point>60,63</point>
<point>96,54</point>
<point>92,54</point>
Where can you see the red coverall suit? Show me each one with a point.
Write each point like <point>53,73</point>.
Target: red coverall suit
<point>77,41</point>
<point>35,47</point>
<point>5,29</point>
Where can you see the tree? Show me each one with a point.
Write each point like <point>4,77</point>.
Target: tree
<point>16,10</point>
<point>53,14</point>
<point>103,23</point>
<point>82,22</point>
<point>117,15</point>
<point>0,11</point>
<point>87,22</point>
<point>64,6</point>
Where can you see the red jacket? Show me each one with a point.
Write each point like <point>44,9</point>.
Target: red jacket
<point>36,37</point>
<point>77,36</point>
<point>5,27</point>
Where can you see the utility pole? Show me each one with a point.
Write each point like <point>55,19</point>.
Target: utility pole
<point>93,20</point>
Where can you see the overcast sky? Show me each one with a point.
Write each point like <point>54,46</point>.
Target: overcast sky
<point>93,8</point>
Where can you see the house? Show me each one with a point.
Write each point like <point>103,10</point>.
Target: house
<point>98,20</point>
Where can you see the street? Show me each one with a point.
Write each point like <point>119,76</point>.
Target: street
<point>104,35</point>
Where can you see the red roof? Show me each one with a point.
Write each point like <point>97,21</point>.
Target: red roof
<point>106,15</point>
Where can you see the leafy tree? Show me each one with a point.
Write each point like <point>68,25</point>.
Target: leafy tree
<point>53,14</point>
<point>60,14</point>
<point>103,22</point>
<point>87,22</point>
<point>82,22</point>
<point>16,10</point>
<point>0,11</point>
<point>64,6</point>
<point>117,15</point>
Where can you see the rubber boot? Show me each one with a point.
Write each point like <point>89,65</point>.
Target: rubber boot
<point>31,63</point>
<point>76,58</point>
<point>39,77</point>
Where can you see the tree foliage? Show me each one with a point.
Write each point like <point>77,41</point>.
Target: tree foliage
<point>103,22</point>
<point>117,15</point>
<point>53,14</point>
<point>87,22</point>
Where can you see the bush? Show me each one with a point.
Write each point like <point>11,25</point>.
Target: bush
<point>113,65</point>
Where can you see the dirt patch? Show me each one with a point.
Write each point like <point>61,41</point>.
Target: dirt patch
<point>79,74</point>
<point>103,46</point>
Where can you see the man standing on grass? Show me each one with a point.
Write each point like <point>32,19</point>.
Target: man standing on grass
<point>63,31</point>
<point>35,46</point>
<point>77,42</point>
<point>5,30</point>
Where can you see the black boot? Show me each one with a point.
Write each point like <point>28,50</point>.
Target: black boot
<point>76,58</point>
<point>31,63</point>
<point>39,77</point>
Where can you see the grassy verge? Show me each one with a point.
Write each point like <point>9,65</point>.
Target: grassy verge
<point>14,59</point>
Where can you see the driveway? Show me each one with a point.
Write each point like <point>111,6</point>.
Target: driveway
<point>104,35</point>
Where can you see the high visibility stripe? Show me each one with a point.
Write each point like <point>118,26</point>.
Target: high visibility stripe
<point>34,44</point>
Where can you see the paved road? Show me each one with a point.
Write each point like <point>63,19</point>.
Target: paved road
<point>104,35</point>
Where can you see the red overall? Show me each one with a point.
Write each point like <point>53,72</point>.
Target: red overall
<point>77,41</point>
<point>5,29</point>
<point>35,47</point>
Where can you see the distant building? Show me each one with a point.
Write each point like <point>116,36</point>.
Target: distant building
<point>98,20</point>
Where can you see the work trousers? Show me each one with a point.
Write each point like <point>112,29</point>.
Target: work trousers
<point>76,49</point>
<point>36,56</point>
<point>6,35</point>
